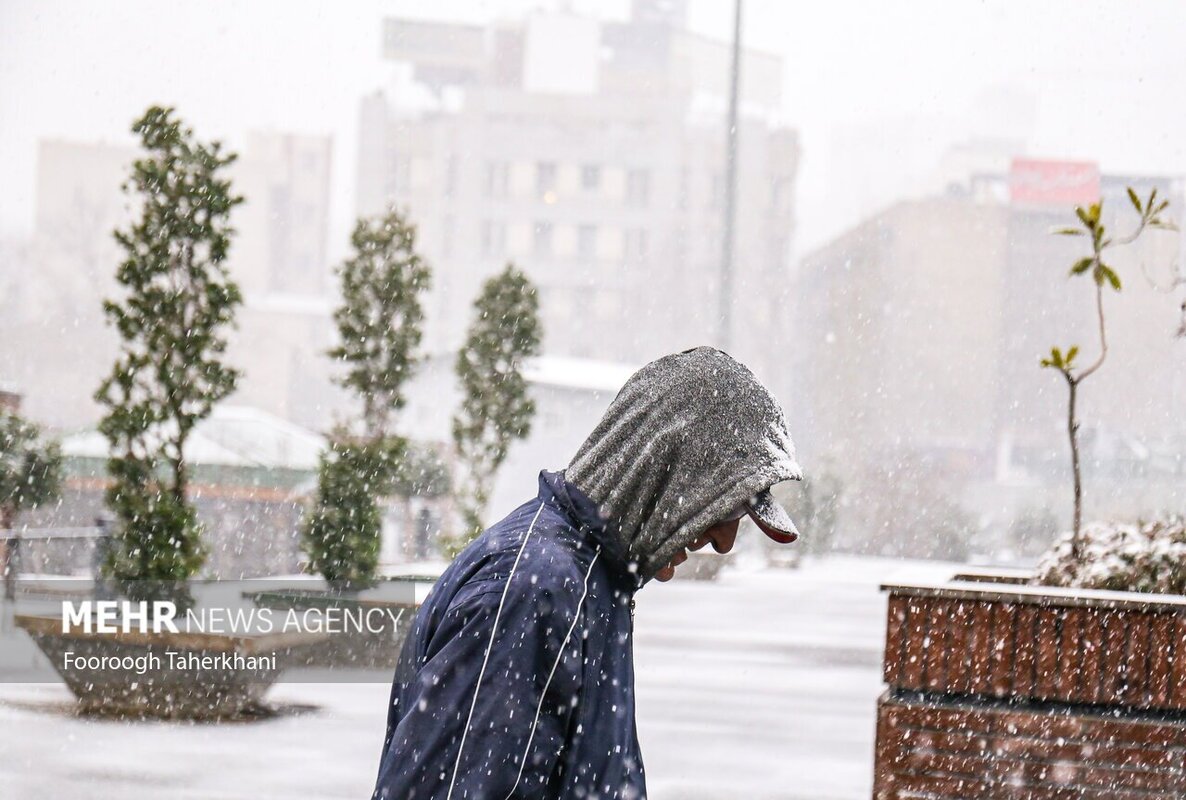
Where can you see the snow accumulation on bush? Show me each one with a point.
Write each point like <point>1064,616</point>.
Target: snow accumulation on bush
<point>1149,556</point>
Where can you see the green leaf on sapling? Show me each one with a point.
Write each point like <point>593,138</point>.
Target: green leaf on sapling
<point>1110,276</point>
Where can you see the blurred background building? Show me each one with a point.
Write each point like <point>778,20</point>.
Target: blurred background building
<point>922,328</point>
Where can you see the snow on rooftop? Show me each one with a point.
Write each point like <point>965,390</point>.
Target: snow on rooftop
<point>564,372</point>
<point>577,373</point>
<point>264,438</point>
<point>198,449</point>
<point>236,436</point>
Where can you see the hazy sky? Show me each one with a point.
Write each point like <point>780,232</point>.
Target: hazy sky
<point>878,90</point>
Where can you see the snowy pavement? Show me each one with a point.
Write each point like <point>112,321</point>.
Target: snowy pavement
<point>761,685</point>
<point>764,685</point>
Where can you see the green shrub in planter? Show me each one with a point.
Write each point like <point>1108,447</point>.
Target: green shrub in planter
<point>173,315</point>
<point>496,407</point>
<point>342,532</point>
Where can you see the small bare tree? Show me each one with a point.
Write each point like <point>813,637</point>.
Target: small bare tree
<point>1150,211</point>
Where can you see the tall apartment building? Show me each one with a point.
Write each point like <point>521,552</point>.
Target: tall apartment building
<point>592,155</point>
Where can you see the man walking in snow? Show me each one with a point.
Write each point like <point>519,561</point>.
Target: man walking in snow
<point>517,677</point>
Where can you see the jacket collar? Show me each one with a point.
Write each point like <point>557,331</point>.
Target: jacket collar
<point>585,516</point>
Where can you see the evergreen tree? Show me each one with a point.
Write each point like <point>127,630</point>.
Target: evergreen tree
<point>495,407</point>
<point>342,533</point>
<point>379,328</point>
<point>179,300</point>
<point>30,474</point>
<point>380,317</point>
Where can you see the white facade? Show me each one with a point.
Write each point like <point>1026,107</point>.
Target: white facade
<point>570,395</point>
<point>610,199</point>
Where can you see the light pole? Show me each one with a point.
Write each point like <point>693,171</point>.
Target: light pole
<point>725,335</point>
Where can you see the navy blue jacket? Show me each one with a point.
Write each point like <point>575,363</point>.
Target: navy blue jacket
<point>517,676</point>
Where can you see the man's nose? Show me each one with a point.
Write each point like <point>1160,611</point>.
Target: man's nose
<point>723,542</point>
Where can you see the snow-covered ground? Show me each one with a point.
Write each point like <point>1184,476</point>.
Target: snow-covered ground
<point>761,685</point>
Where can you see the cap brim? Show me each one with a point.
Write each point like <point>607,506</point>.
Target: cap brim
<point>772,518</point>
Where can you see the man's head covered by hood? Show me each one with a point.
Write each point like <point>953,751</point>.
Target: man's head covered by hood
<point>691,439</point>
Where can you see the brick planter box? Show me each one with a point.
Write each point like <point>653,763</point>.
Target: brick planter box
<point>998,689</point>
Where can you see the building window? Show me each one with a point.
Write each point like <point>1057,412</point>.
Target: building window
<point>780,193</point>
<point>494,238</point>
<point>590,177</point>
<point>780,248</point>
<point>638,187</point>
<point>712,241</point>
<point>447,226</point>
<point>451,176</point>
<point>498,178</point>
<point>545,177</point>
<point>400,177</point>
<point>587,241</point>
<point>637,244</point>
<point>543,239</point>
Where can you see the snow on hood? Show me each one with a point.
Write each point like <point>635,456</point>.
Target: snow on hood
<point>688,439</point>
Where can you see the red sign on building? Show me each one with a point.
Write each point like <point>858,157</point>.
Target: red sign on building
<point>1053,183</point>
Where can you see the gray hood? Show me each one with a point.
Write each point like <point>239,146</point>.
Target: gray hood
<point>688,440</point>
